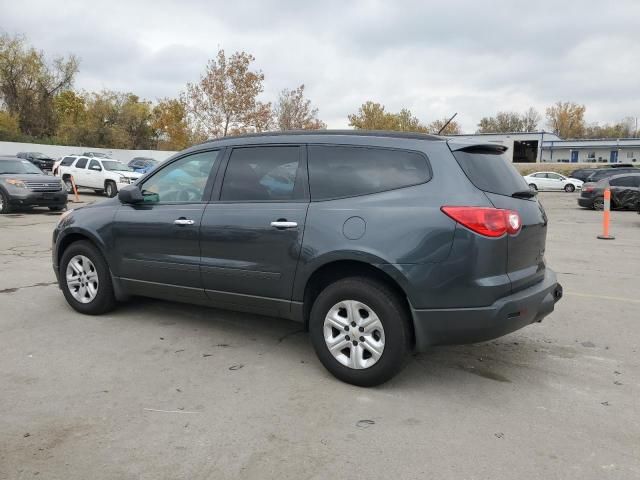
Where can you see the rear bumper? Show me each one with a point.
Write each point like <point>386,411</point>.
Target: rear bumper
<point>43,199</point>
<point>450,326</point>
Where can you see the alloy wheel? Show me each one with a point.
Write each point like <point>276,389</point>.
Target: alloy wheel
<point>82,279</point>
<point>354,334</point>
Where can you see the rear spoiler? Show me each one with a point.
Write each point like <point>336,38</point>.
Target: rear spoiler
<point>471,146</point>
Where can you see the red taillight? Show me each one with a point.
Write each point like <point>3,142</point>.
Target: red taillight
<point>490,222</point>
<point>588,189</point>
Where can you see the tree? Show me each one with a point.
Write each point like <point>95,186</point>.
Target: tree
<point>9,128</point>
<point>29,83</point>
<point>452,129</point>
<point>506,122</point>
<point>225,98</point>
<point>566,119</point>
<point>372,116</point>
<point>406,122</point>
<point>170,126</point>
<point>293,111</point>
<point>622,129</point>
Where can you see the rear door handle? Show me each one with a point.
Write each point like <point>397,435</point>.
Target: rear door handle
<point>183,221</point>
<point>282,224</point>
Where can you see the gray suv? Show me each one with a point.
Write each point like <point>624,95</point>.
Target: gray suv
<point>378,242</point>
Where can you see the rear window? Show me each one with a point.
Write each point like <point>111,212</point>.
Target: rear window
<point>341,171</point>
<point>490,172</point>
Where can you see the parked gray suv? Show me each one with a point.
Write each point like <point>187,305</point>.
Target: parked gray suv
<point>378,242</point>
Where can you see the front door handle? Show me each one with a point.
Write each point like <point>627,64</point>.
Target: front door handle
<point>282,224</point>
<point>183,221</point>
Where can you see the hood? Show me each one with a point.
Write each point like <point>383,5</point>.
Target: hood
<point>30,177</point>
<point>128,174</point>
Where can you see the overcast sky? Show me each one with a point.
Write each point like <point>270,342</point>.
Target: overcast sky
<point>435,58</point>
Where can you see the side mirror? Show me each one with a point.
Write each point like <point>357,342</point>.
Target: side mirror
<point>130,194</point>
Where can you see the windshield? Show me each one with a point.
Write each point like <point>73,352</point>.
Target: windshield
<point>19,167</point>
<point>115,166</point>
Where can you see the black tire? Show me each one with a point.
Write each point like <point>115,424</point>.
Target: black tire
<point>392,314</point>
<point>598,203</point>
<point>5,206</point>
<point>533,186</point>
<point>68,185</point>
<point>104,300</point>
<point>56,209</point>
<point>569,188</point>
<point>110,189</point>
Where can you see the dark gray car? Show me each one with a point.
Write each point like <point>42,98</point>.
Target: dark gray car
<point>378,242</point>
<point>23,185</point>
<point>625,192</point>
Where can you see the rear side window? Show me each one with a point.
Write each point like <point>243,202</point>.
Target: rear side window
<point>342,171</point>
<point>66,161</point>
<point>81,163</point>
<point>490,172</point>
<point>624,181</point>
<point>263,174</point>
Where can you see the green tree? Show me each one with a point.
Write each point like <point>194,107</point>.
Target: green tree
<point>224,100</point>
<point>372,116</point>
<point>9,127</point>
<point>293,111</point>
<point>29,83</point>
<point>506,122</point>
<point>566,119</point>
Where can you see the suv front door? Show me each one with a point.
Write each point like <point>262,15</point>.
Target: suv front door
<point>156,242</point>
<point>251,234</point>
<point>93,175</point>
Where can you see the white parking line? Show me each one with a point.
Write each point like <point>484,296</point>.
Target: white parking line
<point>603,297</point>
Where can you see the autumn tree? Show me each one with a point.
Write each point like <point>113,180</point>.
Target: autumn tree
<point>436,127</point>
<point>566,119</point>
<point>406,122</point>
<point>224,101</point>
<point>170,126</point>
<point>9,127</point>
<point>625,128</point>
<point>372,116</point>
<point>29,83</point>
<point>293,111</point>
<point>506,122</point>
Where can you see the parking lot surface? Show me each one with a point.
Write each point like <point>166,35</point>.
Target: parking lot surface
<point>161,390</point>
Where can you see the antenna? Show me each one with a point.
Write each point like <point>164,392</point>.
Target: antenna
<point>448,122</point>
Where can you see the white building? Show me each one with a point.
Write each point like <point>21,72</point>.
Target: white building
<point>547,147</point>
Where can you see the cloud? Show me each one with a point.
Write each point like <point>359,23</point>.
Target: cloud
<point>435,58</point>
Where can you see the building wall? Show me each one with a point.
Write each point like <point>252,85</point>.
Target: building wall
<point>600,154</point>
<point>56,151</point>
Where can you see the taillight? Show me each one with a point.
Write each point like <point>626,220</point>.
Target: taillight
<point>490,222</point>
<point>587,189</point>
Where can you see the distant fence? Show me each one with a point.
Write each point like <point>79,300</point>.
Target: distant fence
<point>56,151</point>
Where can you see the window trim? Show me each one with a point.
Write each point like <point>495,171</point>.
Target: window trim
<point>302,174</point>
<point>370,147</point>
<point>206,194</point>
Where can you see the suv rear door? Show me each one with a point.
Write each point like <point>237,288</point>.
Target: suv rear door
<point>251,234</point>
<point>505,188</point>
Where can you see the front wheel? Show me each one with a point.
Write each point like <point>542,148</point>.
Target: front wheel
<point>533,187</point>
<point>569,188</point>
<point>68,185</point>
<point>110,189</point>
<point>360,331</point>
<point>5,206</point>
<point>85,279</point>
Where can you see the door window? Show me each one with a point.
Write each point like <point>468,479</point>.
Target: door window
<point>554,176</point>
<point>623,182</point>
<point>183,181</point>
<point>95,165</point>
<point>263,174</point>
<point>81,163</point>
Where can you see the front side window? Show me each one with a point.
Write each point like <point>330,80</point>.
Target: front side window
<point>262,174</point>
<point>81,163</point>
<point>554,176</point>
<point>623,182</point>
<point>94,165</point>
<point>183,181</point>
<point>344,171</point>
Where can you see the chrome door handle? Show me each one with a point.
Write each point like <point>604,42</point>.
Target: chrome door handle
<point>183,221</point>
<point>283,224</point>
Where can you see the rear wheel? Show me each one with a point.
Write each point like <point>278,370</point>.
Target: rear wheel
<point>85,279</point>
<point>110,189</point>
<point>360,331</point>
<point>569,187</point>
<point>5,207</point>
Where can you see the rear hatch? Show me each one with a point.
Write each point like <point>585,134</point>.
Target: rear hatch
<point>489,170</point>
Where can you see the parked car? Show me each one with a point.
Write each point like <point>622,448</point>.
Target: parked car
<point>22,184</point>
<point>625,192</point>
<point>40,160</point>
<point>143,164</point>
<point>609,172</point>
<point>552,181</point>
<point>102,175</point>
<point>378,242</point>
<point>582,173</point>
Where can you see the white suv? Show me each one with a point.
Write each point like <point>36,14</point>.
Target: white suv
<point>99,174</point>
